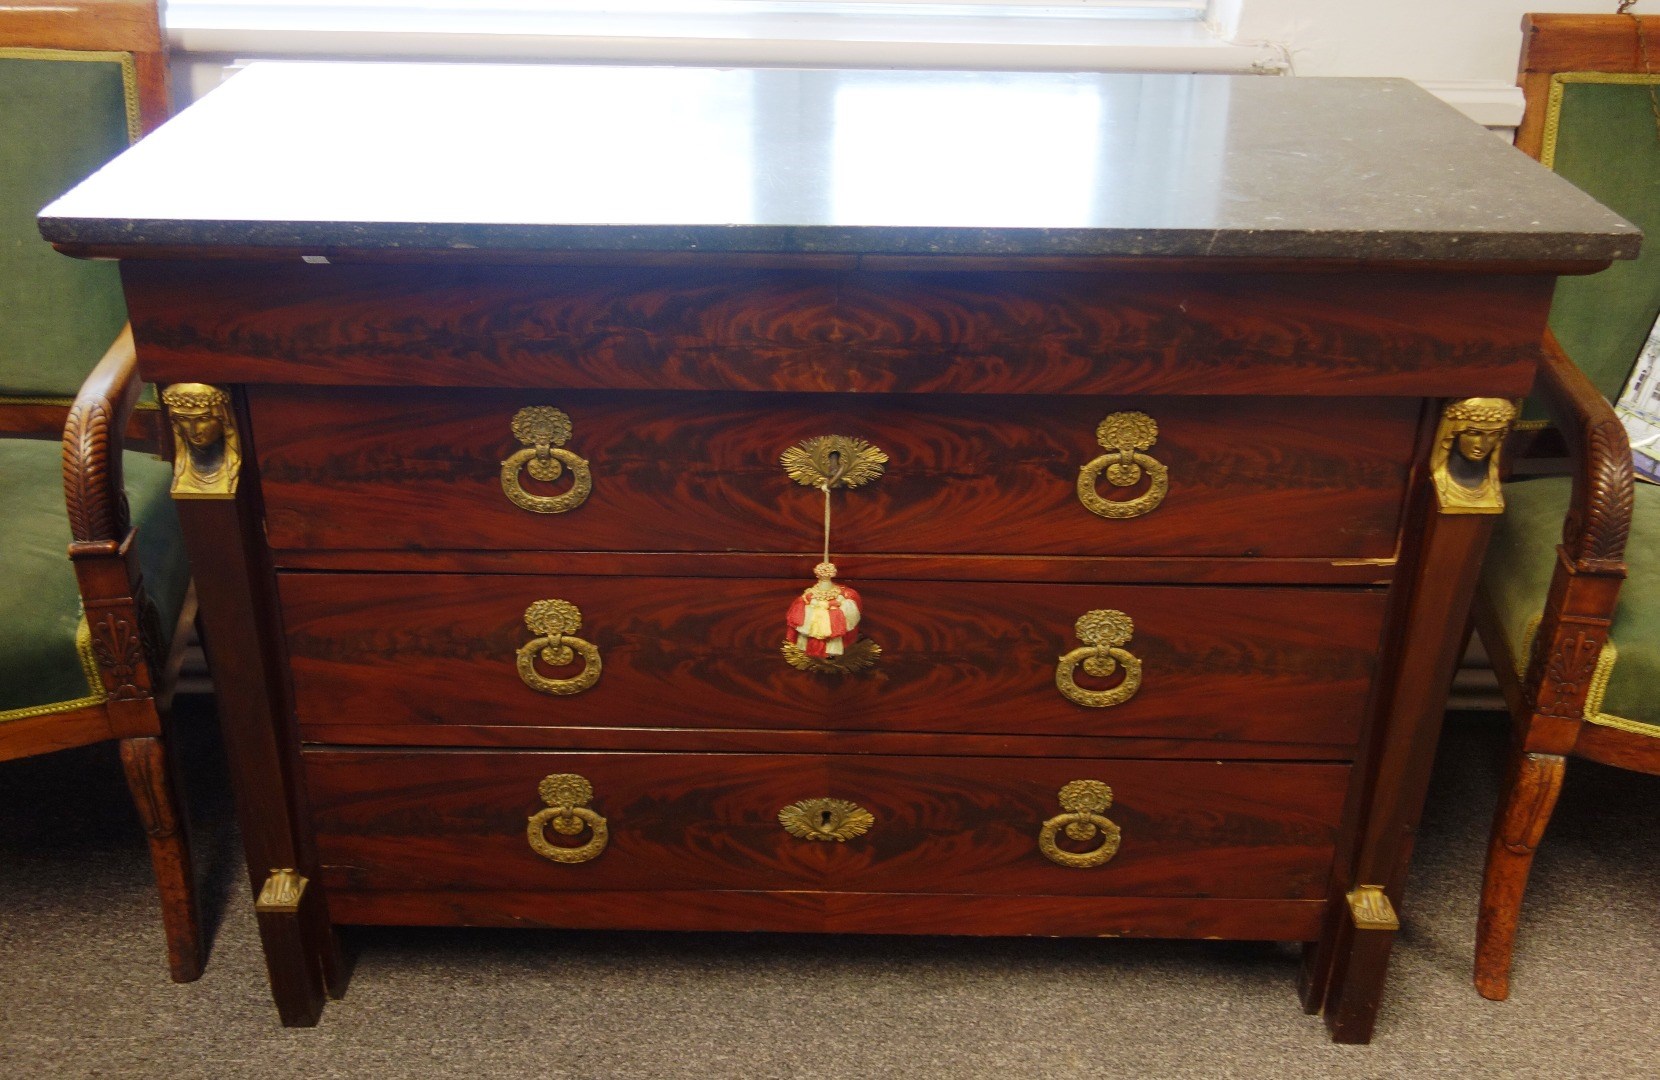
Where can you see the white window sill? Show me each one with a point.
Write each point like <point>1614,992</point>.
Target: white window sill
<point>204,35</point>
<point>1034,39</point>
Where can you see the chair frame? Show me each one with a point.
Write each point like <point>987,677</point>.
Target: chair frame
<point>103,420</point>
<point>132,27</point>
<point>1547,701</point>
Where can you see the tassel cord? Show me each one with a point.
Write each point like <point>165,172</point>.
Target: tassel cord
<point>826,490</point>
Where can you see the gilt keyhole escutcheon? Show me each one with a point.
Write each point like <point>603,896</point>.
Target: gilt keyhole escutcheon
<point>826,819</point>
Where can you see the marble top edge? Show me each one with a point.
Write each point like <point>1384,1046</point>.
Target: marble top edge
<point>289,237</point>
<point>440,158</point>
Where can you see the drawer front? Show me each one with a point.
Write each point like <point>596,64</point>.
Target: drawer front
<point>1124,330</point>
<point>1252,664</point>
<point>463,821</point>
<point>1276,477</point>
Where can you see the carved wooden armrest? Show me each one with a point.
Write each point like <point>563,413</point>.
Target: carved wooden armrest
<point>1599,513</point>
<point>92,445</point>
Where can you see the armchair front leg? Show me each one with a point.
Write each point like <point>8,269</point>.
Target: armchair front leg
<point>126,634</point>
<point>1572,632</point>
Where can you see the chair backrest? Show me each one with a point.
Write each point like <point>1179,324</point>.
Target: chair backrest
<point>79,81</point>
<point>1593,115</point>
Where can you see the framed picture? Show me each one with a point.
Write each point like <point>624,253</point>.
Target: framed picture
<point>1639,408</point>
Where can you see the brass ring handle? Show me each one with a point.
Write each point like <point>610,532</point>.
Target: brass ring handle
<point>1126,435</point>
<point>543,430</point>
<point>567,796</point>
<point>1106,632</point>
<point>554,621</point>
<point>1084,801</point>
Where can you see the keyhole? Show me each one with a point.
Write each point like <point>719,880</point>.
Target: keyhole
<point>835,466</point>
<point>824,819</point>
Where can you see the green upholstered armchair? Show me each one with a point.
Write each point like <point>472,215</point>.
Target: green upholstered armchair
<point>95,589</point>
<point>1569,606</point>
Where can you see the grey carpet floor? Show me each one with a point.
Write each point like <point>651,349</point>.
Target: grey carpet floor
<point>84,991</point>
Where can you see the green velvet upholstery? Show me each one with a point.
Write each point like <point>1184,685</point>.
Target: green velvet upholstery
<point>1517,574</point>
<point>1602,136</point>
<point>60,119</point>
<point>39,664</point>
<point>1607,145</point>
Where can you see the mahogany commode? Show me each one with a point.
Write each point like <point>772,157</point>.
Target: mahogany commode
<point>1187,455</point>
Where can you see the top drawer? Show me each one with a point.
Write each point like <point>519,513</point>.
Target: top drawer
<point>1122,327</point>
<point>349,469</point>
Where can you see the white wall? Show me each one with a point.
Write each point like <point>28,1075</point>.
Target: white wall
<point>1426,40</point>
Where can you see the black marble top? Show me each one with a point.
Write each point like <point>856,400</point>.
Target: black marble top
<point>506,157</point>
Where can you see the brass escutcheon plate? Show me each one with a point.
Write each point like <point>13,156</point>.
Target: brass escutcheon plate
<point>860,655</point>
<point>826,819</point>
<point>832,461</point>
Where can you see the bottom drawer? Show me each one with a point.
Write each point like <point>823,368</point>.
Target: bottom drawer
<point>467,823</point>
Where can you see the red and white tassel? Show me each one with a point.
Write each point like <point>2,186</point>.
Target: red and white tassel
<point>824,620</point>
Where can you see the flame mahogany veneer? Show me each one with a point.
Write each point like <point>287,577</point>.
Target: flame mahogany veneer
<point>1296,601</point>
<point>967,474</point>
<point>1265,767</point>
<point>1245,664</point>
<point>409,821</point>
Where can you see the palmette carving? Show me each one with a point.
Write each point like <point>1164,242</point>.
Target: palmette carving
<point>858,656</point>
<point>1085,801</point>
<point>555,623</point>
<point>1105,631</point>
<point>567,796</point>
<point>544,431</point>
<point>1599,535</point>
<point>1126,435</point>
<point>207,450</point>
<point>92,484</point>
<point>118,646</point>
<point>1565,679</point>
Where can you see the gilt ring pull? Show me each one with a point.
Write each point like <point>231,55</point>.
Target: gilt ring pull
<point>1105,632</point>
<point>544,430</point>
<point>554,622</point>
<point>1126,436</point>
<point>1084,802</point>
<point>567,796</point>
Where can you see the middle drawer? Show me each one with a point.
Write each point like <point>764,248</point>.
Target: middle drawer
<point>965,474</point>
<point>1288,665</point>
